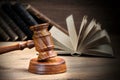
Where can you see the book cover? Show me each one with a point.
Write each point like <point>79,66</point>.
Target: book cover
<point>3,35</point>
<point>24,14</point>
<point>8,30</point>
<point>13,26</point>
<point>41,18</point>
<point>7,8</point>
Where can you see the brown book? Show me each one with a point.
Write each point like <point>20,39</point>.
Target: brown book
<point>13,26</point>
<point>42,18</point>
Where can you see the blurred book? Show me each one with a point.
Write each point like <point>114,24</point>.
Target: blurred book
<point>13,26</point>
<point>24,14</point>
<point>8,30</point>
<point>42,18</point>
<point>90,40</point>
<point>8,9</point>
<point>3,35</point>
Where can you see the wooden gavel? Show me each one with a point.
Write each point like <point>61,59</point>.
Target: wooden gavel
<point>47,61</point>
<point>18,46</point>
<point>42,41</point>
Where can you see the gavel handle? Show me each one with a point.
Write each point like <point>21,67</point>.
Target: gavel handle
<point>19,46</point>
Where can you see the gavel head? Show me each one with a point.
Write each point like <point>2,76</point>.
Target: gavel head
<point>43,41</point>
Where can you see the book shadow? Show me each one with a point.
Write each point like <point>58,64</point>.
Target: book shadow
<point>86,55</point>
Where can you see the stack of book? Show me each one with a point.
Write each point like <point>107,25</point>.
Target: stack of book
<point>15,22</point>
<point>16,19</point>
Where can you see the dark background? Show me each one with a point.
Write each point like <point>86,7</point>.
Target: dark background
<point>106,12</point>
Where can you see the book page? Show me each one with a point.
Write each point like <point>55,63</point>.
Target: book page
<point>72,53</point>
<point>82,29</point>
<point>97,28</point>
<point>86,32</point>
<point>61,37</point>
<point>100,38</point>
<point>72,31</point>
<point>101,50</point>
<point>59,46</point>
<point>93,31</point>
<point>83,24</point>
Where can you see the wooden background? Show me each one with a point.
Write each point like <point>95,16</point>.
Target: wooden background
<point>106,12</point>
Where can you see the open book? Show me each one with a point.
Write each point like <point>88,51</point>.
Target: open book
<point>90,39</point>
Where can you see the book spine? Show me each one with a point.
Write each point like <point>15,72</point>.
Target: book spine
<point>8,30</point>
<point>13,26</point>
<point>4,36</point>
<point>43,17</point>
<point>7,8</point>
<point>20,9</point>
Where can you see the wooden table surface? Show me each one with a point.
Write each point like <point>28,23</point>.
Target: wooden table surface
<point>14,66</point>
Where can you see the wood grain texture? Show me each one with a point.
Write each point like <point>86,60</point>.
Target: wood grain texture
<point>43,41</point>
<point>50,66</point>
<point>18,46</point>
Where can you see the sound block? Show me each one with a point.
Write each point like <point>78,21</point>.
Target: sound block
<point>51,66</point>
